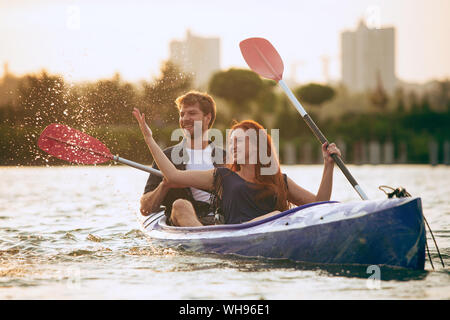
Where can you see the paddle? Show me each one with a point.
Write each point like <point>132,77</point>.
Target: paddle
<point>72,145</point>
<point>264,59</point>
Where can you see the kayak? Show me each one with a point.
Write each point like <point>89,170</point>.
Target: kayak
<point>374,232</point>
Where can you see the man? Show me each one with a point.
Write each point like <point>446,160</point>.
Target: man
<point>193,153</point>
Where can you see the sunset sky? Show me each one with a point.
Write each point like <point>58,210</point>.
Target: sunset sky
<point>132,37</point>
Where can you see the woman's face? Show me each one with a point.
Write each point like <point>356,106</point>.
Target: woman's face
<point>242,146</point>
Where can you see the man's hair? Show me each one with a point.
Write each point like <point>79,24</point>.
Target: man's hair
<point>204,100</point>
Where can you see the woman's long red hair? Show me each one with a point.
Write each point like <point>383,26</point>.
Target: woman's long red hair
<point>270,185</point>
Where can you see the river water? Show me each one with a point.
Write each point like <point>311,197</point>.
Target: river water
<point>73,233</point>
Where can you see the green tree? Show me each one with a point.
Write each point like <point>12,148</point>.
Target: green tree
<point>159,96</point>
<point>237,86</point>
<point>425,104</point>
<point>379,97</point>
<point>315,94</point>
<point>289,121</point>
<point>41,100</point>
<point>400,99</point>
<point>266,99</point>
<point>107,102</point>
<point>414,102</point>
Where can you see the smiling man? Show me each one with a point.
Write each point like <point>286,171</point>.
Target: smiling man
<point>197,114</point>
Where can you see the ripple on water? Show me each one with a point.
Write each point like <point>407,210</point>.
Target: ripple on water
<point>84,252</point>
<point>93,238</point>
<point>151,251</point>
<point>69,236</point>
<point>13,272</point>
<point>132,234</point>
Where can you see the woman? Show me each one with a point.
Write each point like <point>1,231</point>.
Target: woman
<point>241,190</point>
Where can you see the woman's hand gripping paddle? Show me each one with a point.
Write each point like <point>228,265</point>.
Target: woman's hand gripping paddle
<point>264,59</point>
<point>75,146</point>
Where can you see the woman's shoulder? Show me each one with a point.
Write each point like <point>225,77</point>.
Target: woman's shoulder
<point>220,178</point>
<point>223,170</point>
<point>223,174</point>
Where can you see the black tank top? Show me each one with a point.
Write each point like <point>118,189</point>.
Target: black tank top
<point>237,198</point>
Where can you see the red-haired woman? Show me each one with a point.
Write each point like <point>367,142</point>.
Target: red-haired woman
<point>248,188</point>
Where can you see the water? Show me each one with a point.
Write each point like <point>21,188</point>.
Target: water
<point>72,233</point>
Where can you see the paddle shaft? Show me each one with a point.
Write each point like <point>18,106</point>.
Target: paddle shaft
<point>138,166</point>
<point>110,156</point>
<point>319,135</point>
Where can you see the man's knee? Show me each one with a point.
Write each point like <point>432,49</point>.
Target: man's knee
<point>182,208</point>
<point>183,214</point>
<point>181,205</point>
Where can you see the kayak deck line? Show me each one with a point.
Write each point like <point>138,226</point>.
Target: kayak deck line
<point>287,218</point>
<point>245,225</point>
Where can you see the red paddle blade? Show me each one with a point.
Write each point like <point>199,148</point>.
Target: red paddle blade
<point>72,145</point>
<point>262,58</point>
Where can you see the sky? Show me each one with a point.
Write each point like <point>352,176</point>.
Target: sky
<point>93,39</point>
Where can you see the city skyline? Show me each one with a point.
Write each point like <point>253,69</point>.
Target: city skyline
<point>88,40</point>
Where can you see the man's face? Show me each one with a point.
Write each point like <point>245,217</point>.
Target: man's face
<point>190,114</point>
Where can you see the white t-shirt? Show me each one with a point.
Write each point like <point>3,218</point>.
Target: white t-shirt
<point>200,159</point>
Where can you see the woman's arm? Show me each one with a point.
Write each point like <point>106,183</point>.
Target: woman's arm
<point>300,196</point>
<point>200,179</point>
<point>297,195</point>
<point>326,185</point>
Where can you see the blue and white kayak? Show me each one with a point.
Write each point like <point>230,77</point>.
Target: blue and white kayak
<point>375,232</point>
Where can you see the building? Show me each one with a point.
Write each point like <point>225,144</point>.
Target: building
<point>368,57</point>
<point>197,56</point>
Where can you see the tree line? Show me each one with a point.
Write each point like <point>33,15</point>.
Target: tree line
<point>103,109</point>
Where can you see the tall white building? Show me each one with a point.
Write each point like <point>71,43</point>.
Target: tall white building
<point>197,56</point>
<point>368,55</point>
